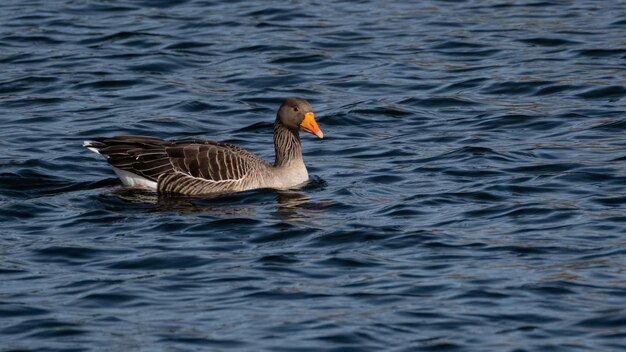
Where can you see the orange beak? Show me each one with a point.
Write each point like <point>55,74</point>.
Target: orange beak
<point>309,125</point>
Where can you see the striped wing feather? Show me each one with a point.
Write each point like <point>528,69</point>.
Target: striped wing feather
<point>207,167</point>
<point>185,167</point>
<point>140,155</point>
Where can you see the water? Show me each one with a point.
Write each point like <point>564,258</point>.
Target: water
<point>469,195</point>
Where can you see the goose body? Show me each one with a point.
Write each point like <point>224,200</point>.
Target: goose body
<point>198,167</point>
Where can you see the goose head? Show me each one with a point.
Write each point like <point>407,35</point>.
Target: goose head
<point>297,115</point>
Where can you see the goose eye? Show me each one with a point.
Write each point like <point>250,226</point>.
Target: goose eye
<point>296,109</point>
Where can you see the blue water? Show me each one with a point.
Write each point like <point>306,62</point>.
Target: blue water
<point>470,194</point>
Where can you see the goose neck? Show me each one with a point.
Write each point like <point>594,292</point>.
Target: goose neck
<point>286,145</point>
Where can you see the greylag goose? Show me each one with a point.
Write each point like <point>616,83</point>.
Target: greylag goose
<point>197,167</point>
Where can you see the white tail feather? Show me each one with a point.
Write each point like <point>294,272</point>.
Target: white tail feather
<point>133,180</point>
<point>91,146</point>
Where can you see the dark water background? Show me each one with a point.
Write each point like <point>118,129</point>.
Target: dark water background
<point>470,194</point>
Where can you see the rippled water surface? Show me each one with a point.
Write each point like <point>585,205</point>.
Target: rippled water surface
<point>470,193</point>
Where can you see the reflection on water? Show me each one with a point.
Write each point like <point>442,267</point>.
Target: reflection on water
<point>291,205</point>
<point>297,206</point>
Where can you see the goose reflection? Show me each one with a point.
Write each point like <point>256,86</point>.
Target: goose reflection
<point>291,205</point>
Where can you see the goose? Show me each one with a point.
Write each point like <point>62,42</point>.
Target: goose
<point>199,167</point>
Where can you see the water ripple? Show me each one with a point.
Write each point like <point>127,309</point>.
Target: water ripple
<point>468,194</point>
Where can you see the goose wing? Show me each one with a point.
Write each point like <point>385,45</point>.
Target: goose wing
<point>190,167</point>
<point>140,155</point>
<point>201,167</point>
